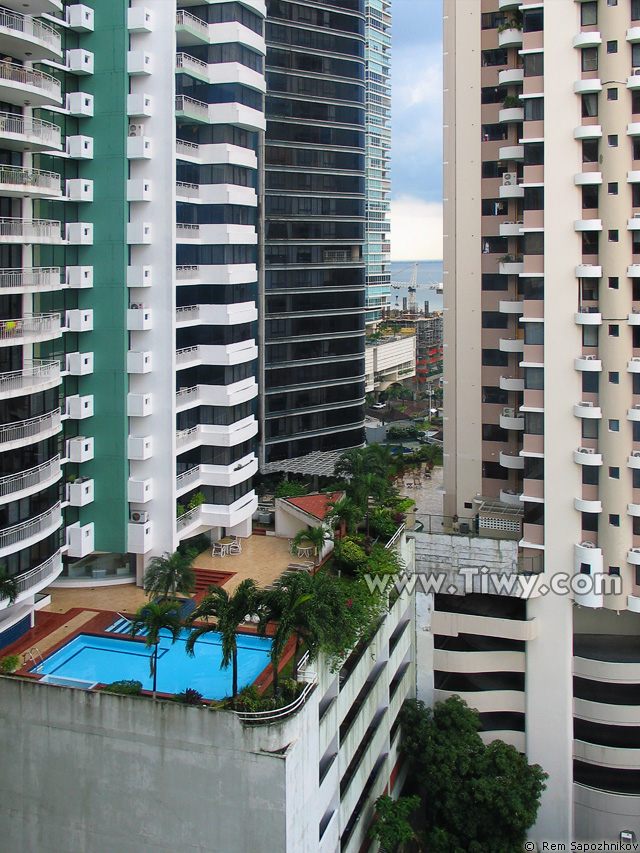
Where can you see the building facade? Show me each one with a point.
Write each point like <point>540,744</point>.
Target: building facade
<point>541,400</point>
<point>378,151</point>
<point>313,299</point>
<point>129,146</point>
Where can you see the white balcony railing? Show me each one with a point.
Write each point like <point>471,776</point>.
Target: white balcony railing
<point>26,327</point>
<point>187,313</point>
<point>35,576</point>
<point>32,527</point>
<point>31,27</point>
<point>32,374</point>
<point>185,436</point>
<point>197,109</point>
<point>31,277</point>
<point>185,273</point>
<point>186,19</point>
<point>190,63</point>
<point>187,232</point>
<point>183,356</point>
<point>30,128</point>
<point>31,230</point>
<point>26,479</point>
<point>14,176</point>
<point>186,518</point>
<point>189,149</point>
<point>32,428</point>
<point>188,477</point>
<point>186,394</point>
<point>47,84</point>
<point>187,190</point>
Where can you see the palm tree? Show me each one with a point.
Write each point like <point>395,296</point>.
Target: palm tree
<point>155,618</point>
<point>317,536</point>
<point>345,511</point>
<point>170,575</point>
<point>371,486</point>
<point>351,464</point>
<point>9,586</point>
<point>229,611</point>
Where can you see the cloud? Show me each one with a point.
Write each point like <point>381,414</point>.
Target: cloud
<point>416,229</point>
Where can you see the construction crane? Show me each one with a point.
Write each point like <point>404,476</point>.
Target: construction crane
<point>412,287</point>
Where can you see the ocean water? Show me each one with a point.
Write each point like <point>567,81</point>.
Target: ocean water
<point>429,272</point>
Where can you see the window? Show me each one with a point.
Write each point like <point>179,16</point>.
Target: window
<point>494,207</point>
<point>533,64</point>
<point>493,94</point>
<point>612,2</point>
<point>533,21</point>
<point>590,242</point>
<point>534,109</point>
<point>590,59</point>
<point>612,47</point>
<point>494,169</point>
<point>614,570</point>
<point>589,14</point>
<point>494,57</point>
<point>590,522</point>
<point>635,55</point>
<point>590,382</point>
<point>494,320</point>
<point>492,394</point>
<point>590,475</point>
<point>614,377</point>
<point>614,330</point>
<point>612,188</point>
<point>534,423</point>
<point>589,290</point>
<point>614,473</point>
<point>635,378</point>
<point>534,378</point>
<point>589,336</point>
<point>494,281</point>
<point>635,10</point>
<point>635,101</point>
<point>613,236</point>
<point>585,568</point>
<point>494,132</point>
<point>614,425</point>
<point>612,94</point>
<point>492,20</point>
<point>635,195</point>
<point>635,478</point>
<point>492,432</point>
<point>532,288</point>
<point>589,150</point>
<point>534,243</point>
<point>534,198</point>
<point>590,428</point>
<point>494,358</point>
<point>534,333</point>
<point>614,520</point>
<point>635,242</point>
<point>589,104</point>
<point>534,154</point>
<point>614,282</point>
<point>589,196</point>
<point>612,140</point>
<point>493,245</point>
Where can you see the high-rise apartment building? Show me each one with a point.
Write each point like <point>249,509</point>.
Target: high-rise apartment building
<point>129,138</point>
<point>313,303</point>
<point>378,149</point>
<point>542,413</point>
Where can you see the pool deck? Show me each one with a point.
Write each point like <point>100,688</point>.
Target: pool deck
<point>263,558</point>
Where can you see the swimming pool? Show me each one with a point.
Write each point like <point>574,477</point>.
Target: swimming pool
<point>92,659</point>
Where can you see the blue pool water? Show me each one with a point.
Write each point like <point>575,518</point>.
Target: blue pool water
<point>106,659</point>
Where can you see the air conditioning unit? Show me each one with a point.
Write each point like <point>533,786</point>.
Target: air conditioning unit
<point>589,357</point>
<point>636,70</point>
<point>635,550</point>
<point>510,179</point>
<point>636,215</point>
<point>587,545</point>
<point>508,413</point>
<point>138,305</point>
<point>586,450</point>
<point>635,358</point>
<point>586,405</point>
<point>635,453</point>
<point>136,130</point>
<point>138,517</point>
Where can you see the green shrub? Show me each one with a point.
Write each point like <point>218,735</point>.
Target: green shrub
<point>290,489</point>
<point>196,500</point>
<point>126,687</point>
<point>351,555</point>
<point>382,524</point>
<point>9,664</point>
<point>189,697</point>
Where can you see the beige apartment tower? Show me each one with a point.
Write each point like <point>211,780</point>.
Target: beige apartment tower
<point>542,395</point>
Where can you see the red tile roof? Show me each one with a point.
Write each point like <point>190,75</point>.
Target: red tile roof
<point>316,505</point>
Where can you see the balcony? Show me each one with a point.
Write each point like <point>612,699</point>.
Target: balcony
<point>19,84</point>
<point>634,460</point>
<point>21,433</point>
<point>217,515</point>
<point>633,414</point>
<point>588,271</point>
<point>510,498</point>
<point>511,383</point>
<point>511,152</point>
<point>512,461</point>
<point>20,485</point>
<point>588,86</point>
<point>23,133</point>
<point>220,73</point>
<point>588,364</point>
<point>587,131</point>
<point>633,35</point>
<point>633,366</point>
<point>581,179</point>
<point>633,556</point>
<point>511,76</point>
<point>217,395</point>
<point>510,419</point>
<point>511,229</point>
<point>217,475</point>
<point>191,109</point>
<point>228,435</point>
<point>587,225</point>
<point>30,280</point>
<point>587,410</point>
<point>216,315</point>
<point>511,345</point>
<point>29,330</point>
<point>191,30</point>
<point>582,505</point>
<point>633,129</point>
<point>34,376</point>
<point>592,39</point>
<point>633,271</point>
<point>26,231</point>
<point>587,317</point>
<point>34,580</point>
<point>29,183</point>
<point>587,456</point>
<point>22,35</point>
<point>511,37</point>
<point>29,532</point>
<point>511,114</point>
<point>514,266</point>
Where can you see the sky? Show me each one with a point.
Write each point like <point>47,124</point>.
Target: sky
<point>416,142</point>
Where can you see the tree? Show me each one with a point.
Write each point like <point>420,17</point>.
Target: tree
<point>371,485</point>
<point>155,618</point>
<point>391,826</point>
<point>170,575</point>
<point>345,511</point>
<point>317,536</point>
<point>9,586</point>
<point>475,797</point>
<point>229,611</point>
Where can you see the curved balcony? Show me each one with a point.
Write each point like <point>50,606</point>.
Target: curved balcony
<point>633,366</point>
<point>588,86</point>
<point>28,330</point>
<point>207,516</point>
<point>510,76</point>
<point>30,183</point>
<point>512,461</point>
<point>634,460</point>
<point>216,395</point>
<point>511,306</point>
<point>24,483</point>
<point>633,271</point>
<point>587,456</point>
<point>509,497</point>
<point>28,532</point>
<point>514,267</point>
<point>216,315</point>
<point>511,229</point>
<point>511,152</point>
<point>511,345</point>
<point>588,271</point>
<point>592,39</point>
<point>633,35</point>
<point>633,556</point>
<point>22,35</point>
<point>24,133</point>
<point>587,225</point>
<point>21,433</point>
<point>585,317</point>
<point>587,131</point>
<point>34,580</point>
<point>587,506</point>
<point>30,280</point>
<point>217,475</point>
<point>633,414</point>
<point>633,603</point>
<point>228,435</point>
<point>634,176</point>
<point>587,410</point>
<point>191,30</point>
<point>633,224</point>
<point>633,82</point>
<point>511,37</point>
<point>19,85</point>
<point>226,355</point>
<point>588,364</point>
<point>191,109</point>
<point>510,419</point>
<point>26,231</point>
<point>633,510</point>
<point>509,114</point>
<point>35,376</point>
<point>511,383</point>
<point>511,191</point>
<point>582,179</point>
<point>633,129</point>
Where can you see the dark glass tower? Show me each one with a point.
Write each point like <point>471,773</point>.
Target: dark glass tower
<point>314,283</point>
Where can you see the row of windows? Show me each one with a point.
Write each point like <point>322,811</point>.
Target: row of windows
<point>213,134</point>
<point>299,13</point>
<point>214,335</point>
<point>226,12</point>
<point>310,326</point>
<point>300,302</point>
<point>311,158</point>
<point>319,373</point>
<point>287,449</point>
<point>303,134</point>
<point>220,416</point>
<point>285,425</point>
<point>316,183</point>
<point>319,278</point>
<point>213,54</point>
<point>218,93</point>
<point>276,34</point>
<point>318,230</point>
<point>314,64</point>
<point>223,173</point>
<point>214,375</point>
<point>215,255</point>
<point>215,214</point>
<point>209,294</point>
<point>278,108</point>
<point>309,350</point>
<point>276,205</point>
<point>315,87</point>
<point>311,397</point>
<point>281,255</point>
<point>208,455</point>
